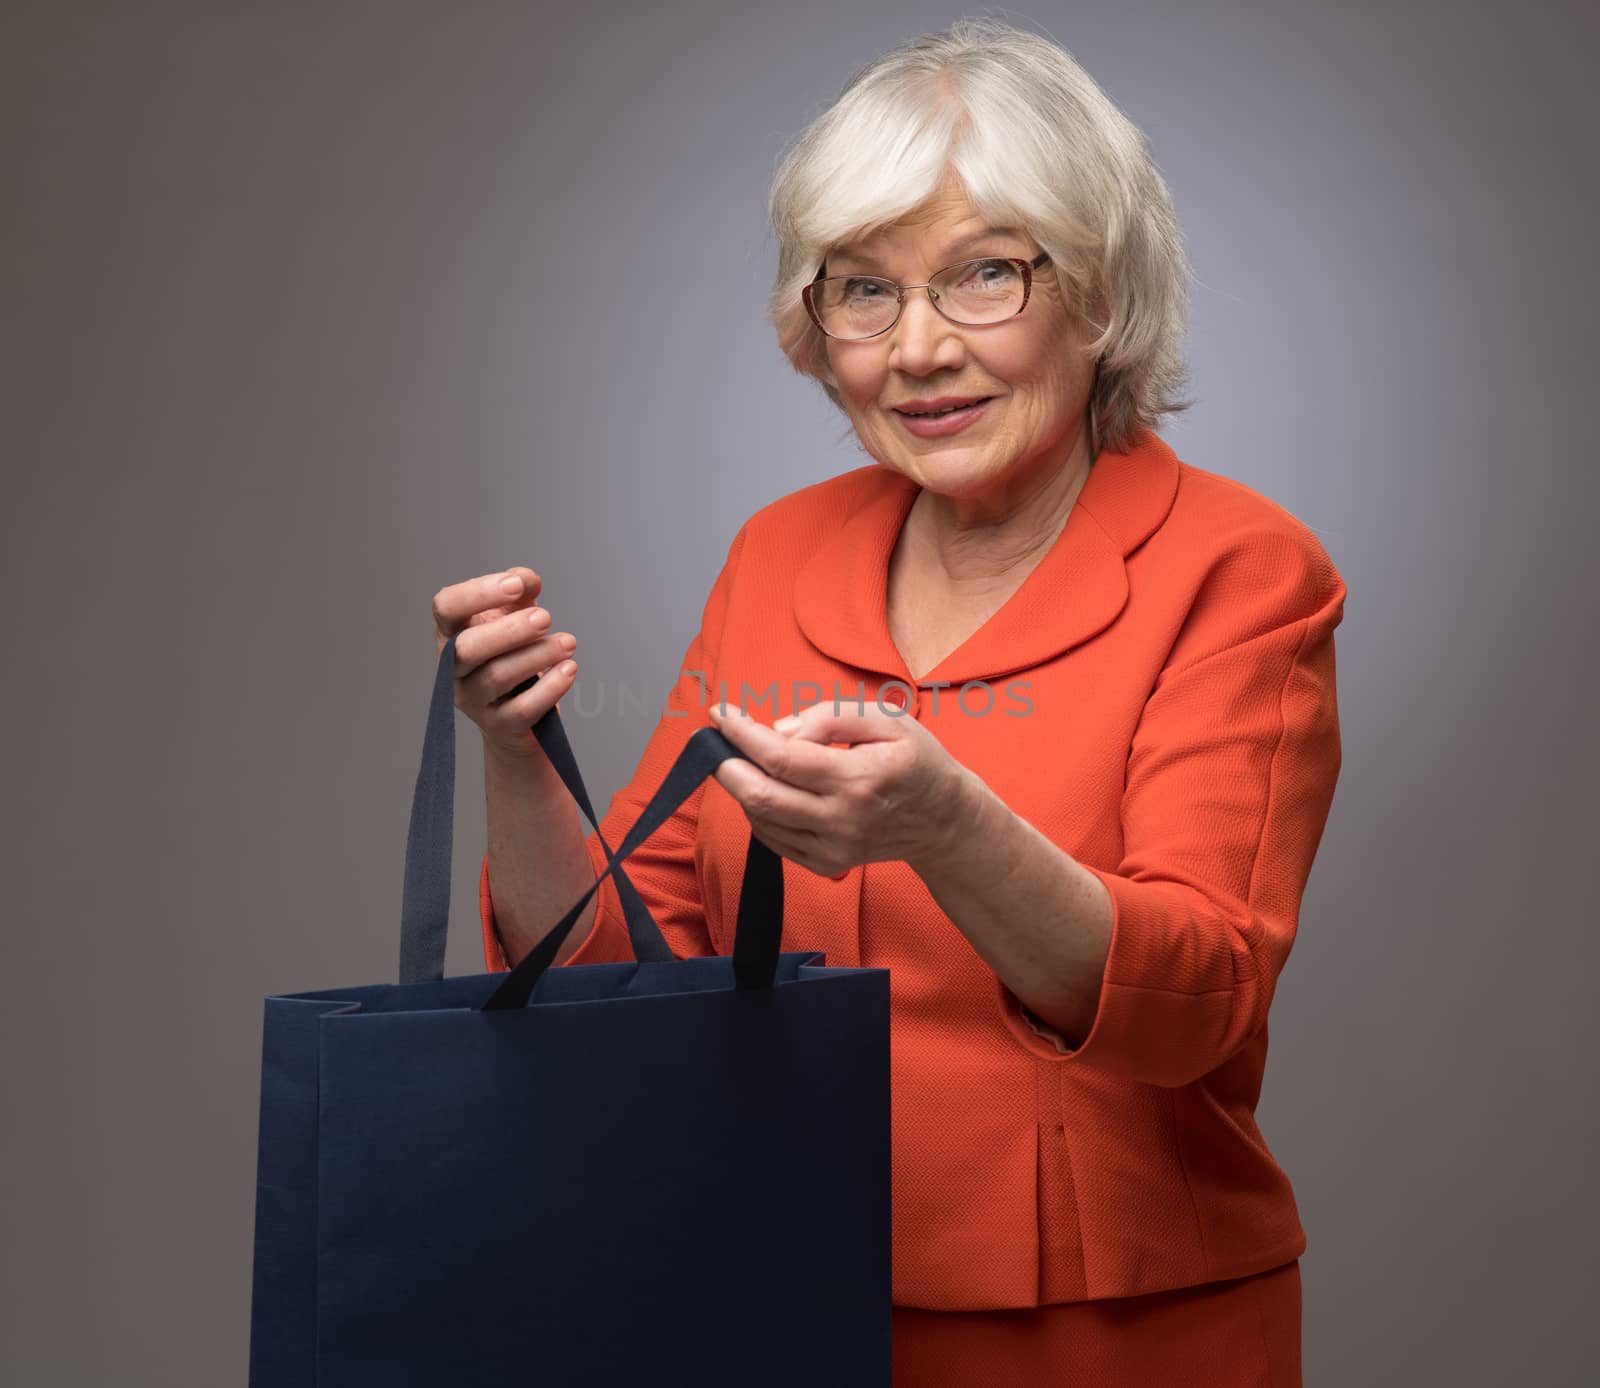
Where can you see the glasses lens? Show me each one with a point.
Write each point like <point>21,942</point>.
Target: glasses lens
<point>854,305</point>
<point>981,291</point>
<point>974,292</point>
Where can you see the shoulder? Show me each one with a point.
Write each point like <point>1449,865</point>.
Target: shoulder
<point>791,526</point>
<point>825,503</point>
<point>1229,565</point>
<point>1231,533</point>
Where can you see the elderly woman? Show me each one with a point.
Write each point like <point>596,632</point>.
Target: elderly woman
<point>1058,734</point>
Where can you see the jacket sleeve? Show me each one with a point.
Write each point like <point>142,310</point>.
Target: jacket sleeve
<point>662,868</point>
<point>1230,778</point>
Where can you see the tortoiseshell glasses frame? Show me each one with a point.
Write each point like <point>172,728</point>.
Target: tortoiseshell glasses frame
<point>1024,267</point>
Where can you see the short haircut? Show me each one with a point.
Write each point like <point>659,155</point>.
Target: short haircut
<point>1037,145</point>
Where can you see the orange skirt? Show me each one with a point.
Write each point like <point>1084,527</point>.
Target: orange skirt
<point>1242,1333</point>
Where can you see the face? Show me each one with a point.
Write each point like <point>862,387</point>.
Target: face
<point>1034,364</point>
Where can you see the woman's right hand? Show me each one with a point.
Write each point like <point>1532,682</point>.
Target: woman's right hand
<point>503,641</point>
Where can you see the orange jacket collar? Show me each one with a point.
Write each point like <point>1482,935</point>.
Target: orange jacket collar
<point>841,592</point>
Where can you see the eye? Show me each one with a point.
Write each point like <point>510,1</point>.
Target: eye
<point>989,272</point>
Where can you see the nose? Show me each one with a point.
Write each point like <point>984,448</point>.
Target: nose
<point>923,338</point>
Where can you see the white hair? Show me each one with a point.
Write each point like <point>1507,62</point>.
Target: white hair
<point>1037,145</point>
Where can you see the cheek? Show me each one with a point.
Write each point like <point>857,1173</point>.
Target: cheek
<point>858,382</point>
<point>1024,360</point>
<point>1043,380</point>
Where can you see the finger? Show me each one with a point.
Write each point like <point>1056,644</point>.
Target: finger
<point>798,848</point>
<point>456,605</point>
<point>843,722</point>
<point>507,676</point>
<point>498,636</point>
<point>795,762</point>
<point>527,706</point>
<point>768,800</point>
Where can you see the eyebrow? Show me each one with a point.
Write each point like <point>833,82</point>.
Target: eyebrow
<point>987,233</point>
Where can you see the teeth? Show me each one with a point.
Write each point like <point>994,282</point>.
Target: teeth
<point>934,414</point>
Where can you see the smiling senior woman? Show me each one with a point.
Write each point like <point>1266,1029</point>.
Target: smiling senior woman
<point>1061,736</point>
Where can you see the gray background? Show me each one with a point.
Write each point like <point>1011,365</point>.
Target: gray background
<point>297,331</point>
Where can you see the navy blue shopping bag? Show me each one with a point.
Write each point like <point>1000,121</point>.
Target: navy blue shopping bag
<point>663,1172</point>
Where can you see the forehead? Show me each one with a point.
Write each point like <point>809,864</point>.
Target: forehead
<point>941,243</point>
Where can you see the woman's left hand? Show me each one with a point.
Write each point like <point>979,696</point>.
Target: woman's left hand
<point>893,794</point>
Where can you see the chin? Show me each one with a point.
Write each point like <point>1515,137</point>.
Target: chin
<point>953,472</point>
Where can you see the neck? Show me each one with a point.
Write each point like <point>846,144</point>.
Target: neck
<point>972,540</point>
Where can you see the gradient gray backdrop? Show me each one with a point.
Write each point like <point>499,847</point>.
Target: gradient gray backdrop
<point>313,308</point>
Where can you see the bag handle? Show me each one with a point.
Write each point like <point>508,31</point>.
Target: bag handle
<point>425,905</point>
<point>759,931</point>
<point>425,908</point>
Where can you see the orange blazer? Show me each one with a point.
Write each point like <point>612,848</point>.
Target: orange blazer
<point>1157,698</point>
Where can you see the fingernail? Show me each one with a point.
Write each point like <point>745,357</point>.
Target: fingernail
<point>511,585</point>
<point>715,712</point>
<point>787,725</point>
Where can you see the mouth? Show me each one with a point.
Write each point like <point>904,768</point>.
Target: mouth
<point>945,404</point>
<point>947,420</point>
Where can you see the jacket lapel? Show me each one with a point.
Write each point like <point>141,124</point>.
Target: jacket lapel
<point>1074,592</point>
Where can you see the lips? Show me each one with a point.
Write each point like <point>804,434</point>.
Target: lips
<point>946,424</point>
<point>940,405</point>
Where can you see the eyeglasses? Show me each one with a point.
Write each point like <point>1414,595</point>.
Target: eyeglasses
<point>972,293</point>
